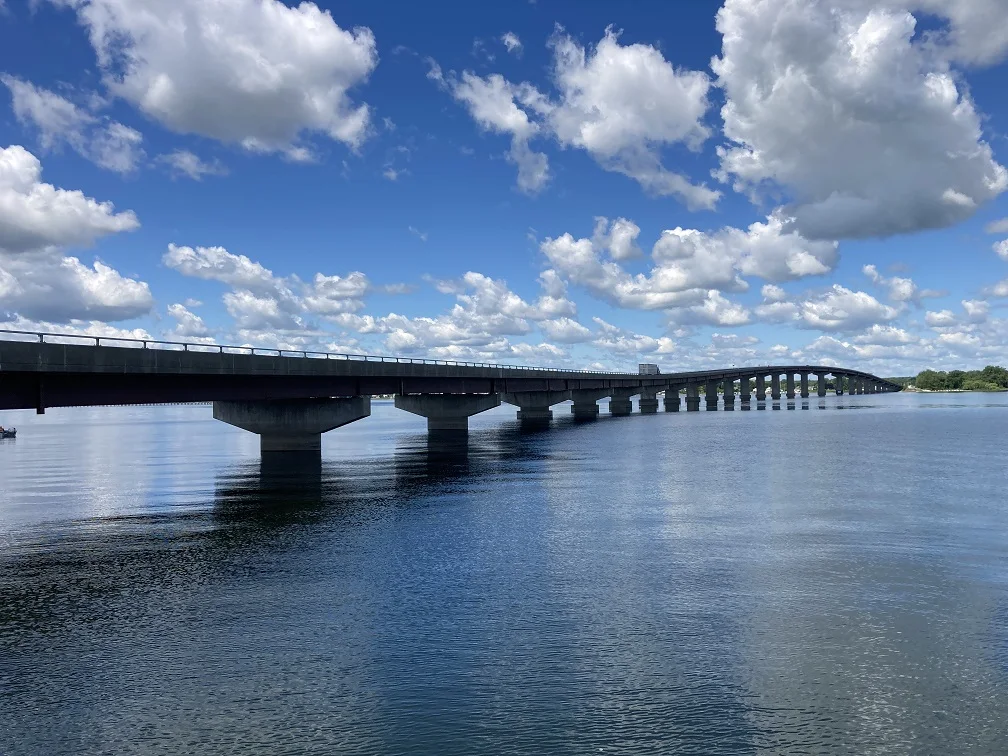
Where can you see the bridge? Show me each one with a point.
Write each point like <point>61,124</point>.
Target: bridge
<point>290,398</point>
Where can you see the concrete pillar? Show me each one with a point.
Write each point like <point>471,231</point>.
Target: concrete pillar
<point>790,385</point>
<point>447,413</point>
<point>729,394</point>
<point>693,397</point>
<point>775,387</point>
<point>804,386</point>
<point>648,401</point>
<point>586,402</point>
<point>711,395</point>
<point>672,400</point>
<point>620,403</point>
<point>821,384</point>
<point>534,406</point>
<point>760,388</point>
<point>838,384</point>
<point>292,425</point>
<point>745,392</point>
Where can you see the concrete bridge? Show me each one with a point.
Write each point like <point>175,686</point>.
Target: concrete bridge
<point>291,398</point>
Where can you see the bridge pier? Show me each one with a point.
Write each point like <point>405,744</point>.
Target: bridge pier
<point>710,394</point>
<point>729,394</point>
<point>648,401</point>
<point>534,406</point>
<point>838,386</point>
<point>745,391</point>
<point>292,425</point>
<point>760,388</point>
<point>620,403</point>
<point>672,398</point>
<point>821,384</point>
<point>585,405</point>
<point>804,386</point>
<point>790,385</point>
<point>693,397</point>
<point>447,413</point>
<point>775,387</point>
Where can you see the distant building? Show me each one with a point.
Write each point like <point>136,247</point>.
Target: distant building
<point>646,368</point>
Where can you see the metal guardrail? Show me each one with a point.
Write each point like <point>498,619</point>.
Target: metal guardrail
<point>185,346</point>
<point>270,351</point>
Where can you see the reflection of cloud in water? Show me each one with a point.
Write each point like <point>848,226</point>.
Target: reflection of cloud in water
<point>706,582</point>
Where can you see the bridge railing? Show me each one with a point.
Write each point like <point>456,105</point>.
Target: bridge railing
<point>44,337</point>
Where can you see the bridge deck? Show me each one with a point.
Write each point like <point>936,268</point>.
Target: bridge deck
<point>36,374</point>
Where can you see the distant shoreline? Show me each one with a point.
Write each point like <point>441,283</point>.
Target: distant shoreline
<point>915,390</point>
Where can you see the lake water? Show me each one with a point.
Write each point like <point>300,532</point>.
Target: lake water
<point>832,579</point>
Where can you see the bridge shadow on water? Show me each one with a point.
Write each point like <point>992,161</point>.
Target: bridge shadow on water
<point>285,488</point>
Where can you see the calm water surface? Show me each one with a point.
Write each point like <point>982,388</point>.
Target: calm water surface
<point>829,579</point>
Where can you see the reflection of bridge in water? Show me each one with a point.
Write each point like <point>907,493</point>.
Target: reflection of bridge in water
<point>290,398</point>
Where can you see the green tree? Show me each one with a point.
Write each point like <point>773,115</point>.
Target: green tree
<point>931,380</point>
<point>996,375</point>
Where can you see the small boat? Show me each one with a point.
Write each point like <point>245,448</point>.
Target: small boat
<point>8,433</point>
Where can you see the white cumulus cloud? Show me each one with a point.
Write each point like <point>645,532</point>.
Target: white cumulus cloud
<point>623,103</point>
<point>190,165</point>
<point>35,215</point>
<point>107,143</point>
<point>253,72</point>
<point>512,43</point>
<point>861,125</point>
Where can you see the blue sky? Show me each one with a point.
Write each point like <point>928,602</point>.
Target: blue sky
<point>541,183</point>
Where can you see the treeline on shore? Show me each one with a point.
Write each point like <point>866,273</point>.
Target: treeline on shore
<point>991,378</point>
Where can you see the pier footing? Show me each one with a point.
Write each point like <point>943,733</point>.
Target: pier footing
<point>292,425</point>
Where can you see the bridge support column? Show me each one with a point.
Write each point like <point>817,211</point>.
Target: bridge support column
<point>711,395</point>
<point>447,413</point>
<point>693,397</point>
<point>790,385</point>
<point>672,399</point>
<point>745,392</point>
<point>838,384</point>
<point>729,394</point>
<point>648,401</point>
<point>292,425</point>
<point>804,386</point>
<point>821,384</point>
<point>534,406</point>
<point>586,402</point>
<point>760,388</point>
<point>775,387</point>
<point>620,403</point>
